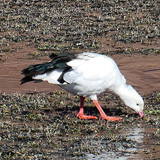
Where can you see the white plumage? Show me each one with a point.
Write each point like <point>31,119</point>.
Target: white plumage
<point>88,74</point>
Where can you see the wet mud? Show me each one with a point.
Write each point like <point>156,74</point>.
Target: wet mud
<point>38,120</point>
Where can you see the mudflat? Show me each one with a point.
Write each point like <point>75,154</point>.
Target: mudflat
<point>38,120</point>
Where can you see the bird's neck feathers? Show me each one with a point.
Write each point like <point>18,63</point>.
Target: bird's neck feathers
<point>130,96</point>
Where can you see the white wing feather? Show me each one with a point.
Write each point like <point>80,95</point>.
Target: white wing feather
<point>51,77</point>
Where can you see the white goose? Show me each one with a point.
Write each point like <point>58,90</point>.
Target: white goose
<point>86,74</point>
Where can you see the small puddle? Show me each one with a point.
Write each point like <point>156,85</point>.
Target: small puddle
<point>136,135</point>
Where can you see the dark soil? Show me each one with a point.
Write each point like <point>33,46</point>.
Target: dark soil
<point>38,121</point>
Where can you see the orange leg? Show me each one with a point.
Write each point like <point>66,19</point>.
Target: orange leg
<point>103,115</point>
<point>81,114</point>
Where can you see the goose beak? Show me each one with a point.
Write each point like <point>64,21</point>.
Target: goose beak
<point>140,114</point>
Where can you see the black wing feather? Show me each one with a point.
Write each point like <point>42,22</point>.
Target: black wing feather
<point>58,61</point>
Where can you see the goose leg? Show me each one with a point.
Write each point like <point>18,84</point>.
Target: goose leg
<point>81,114</point>
<point>103,115</point>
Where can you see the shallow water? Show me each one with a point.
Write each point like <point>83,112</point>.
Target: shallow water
<point>140,136</point>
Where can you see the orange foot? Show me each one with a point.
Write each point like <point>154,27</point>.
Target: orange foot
<point>108,118</point>
<point>82,116</point>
